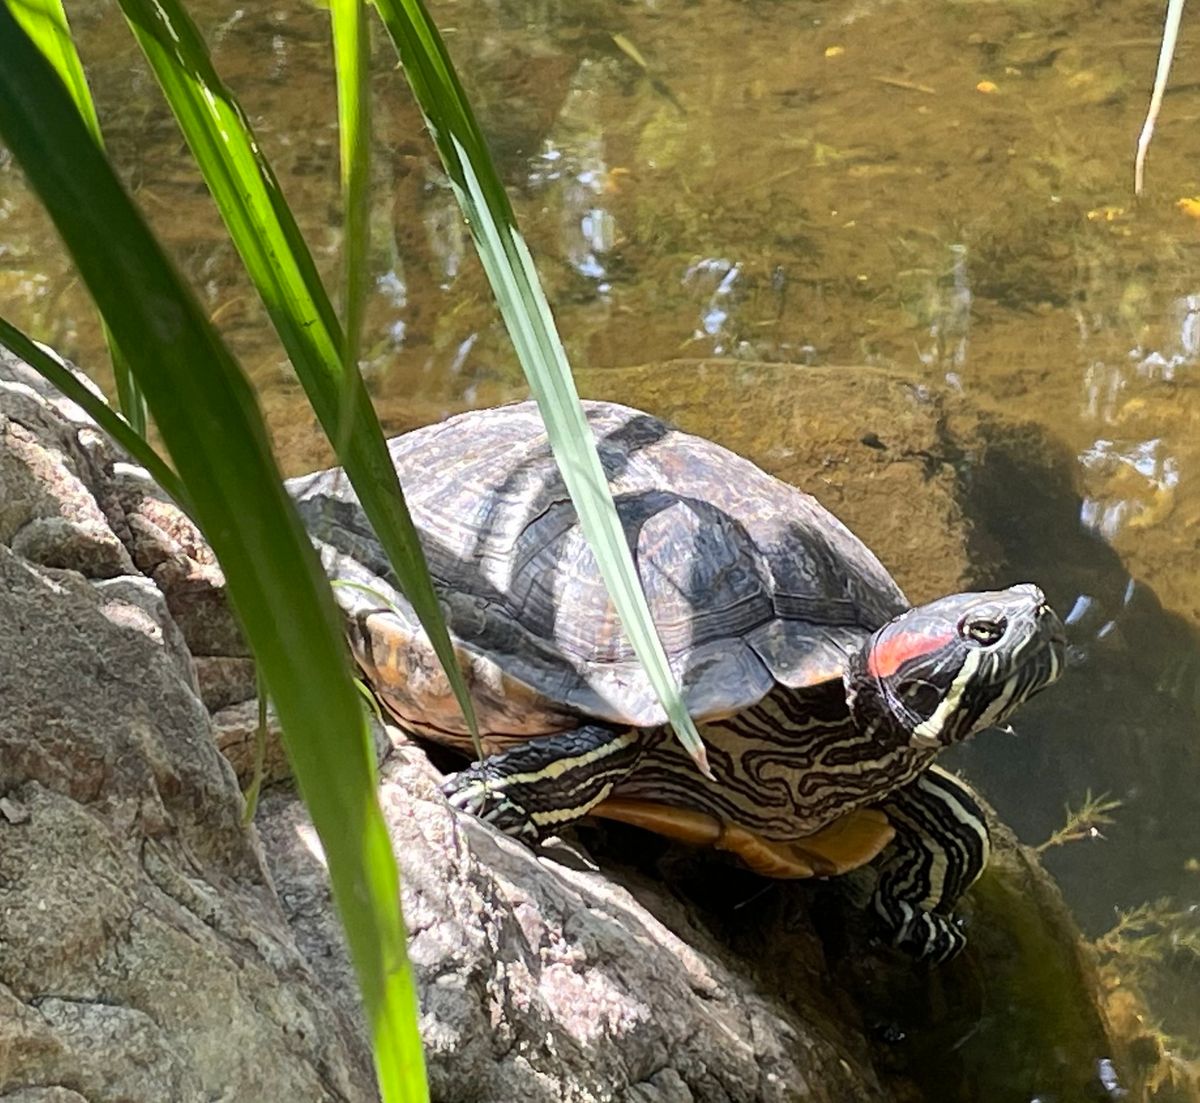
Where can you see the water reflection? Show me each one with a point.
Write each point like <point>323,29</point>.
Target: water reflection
<point>950,318</point>
<point>1138,484</point>
<point>580,180</point>
<point>716,280</point>
<point>1184,325</point>
<point>449,242</point>
<point>1109,387</point>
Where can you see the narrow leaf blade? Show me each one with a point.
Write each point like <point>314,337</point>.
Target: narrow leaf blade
<point>351,48</point>
<point>45,22</point>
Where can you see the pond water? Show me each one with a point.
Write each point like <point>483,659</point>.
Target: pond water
<point>940,188</point>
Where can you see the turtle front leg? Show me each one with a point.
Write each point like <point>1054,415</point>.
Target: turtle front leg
<point>541,786</point>
<point>941,847</point>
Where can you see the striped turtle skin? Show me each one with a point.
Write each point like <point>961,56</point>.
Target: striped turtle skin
<point>822,697</point>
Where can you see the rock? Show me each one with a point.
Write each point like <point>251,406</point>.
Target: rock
<point>682,979</point>
<point>70,498</point>
<point>44,1095</point>
<point>546,984</point>
<point>224,680</point>
<point>144,956</point>
<point>167,546</point>
<point>143,949</point>
<point>48,512</point>
<point>132,601</point>
<point>235,728</point>
<point>195,594</point>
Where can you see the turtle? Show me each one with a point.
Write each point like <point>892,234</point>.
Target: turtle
<point>821,695</point>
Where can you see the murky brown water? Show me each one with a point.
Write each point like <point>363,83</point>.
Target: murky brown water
<point>939,187</point>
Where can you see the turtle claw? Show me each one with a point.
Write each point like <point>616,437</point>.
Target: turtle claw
<point>540,787</point>
<point>483,796</point>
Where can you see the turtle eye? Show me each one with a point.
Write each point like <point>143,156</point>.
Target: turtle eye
<point>986,632</point>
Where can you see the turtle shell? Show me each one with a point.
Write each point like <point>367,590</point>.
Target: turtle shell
<point>750,581</point>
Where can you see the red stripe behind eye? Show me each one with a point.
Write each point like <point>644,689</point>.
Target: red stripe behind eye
<point>895,650</point>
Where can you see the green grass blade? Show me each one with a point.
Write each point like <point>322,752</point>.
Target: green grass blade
<point>254,790</point>
<point>352,50</point>
<point>526,313</point>
<point>97,409</point>
<point>279,263</point>
<point>45,22</point>
<point>210,422</point>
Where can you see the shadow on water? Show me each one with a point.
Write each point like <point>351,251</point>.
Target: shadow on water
<point>1128,724</point>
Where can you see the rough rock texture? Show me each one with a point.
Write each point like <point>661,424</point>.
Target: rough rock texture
<point>544,983</point>
<point>143,953</point>
<point>679,980</point>
<point>235,728</point>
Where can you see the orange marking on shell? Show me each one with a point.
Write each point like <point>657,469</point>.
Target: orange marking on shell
<point>890,654</point>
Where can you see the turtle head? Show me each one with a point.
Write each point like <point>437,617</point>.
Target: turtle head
<point>941,672</point>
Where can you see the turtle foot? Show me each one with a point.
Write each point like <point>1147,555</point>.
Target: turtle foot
<point>540,787</point>
<point>478,791</point>
<point>925,935</point>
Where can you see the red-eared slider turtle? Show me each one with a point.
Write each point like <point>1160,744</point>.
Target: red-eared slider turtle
<point>821,695</point>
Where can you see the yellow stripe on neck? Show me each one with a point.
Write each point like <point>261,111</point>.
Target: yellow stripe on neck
<point>928,732</point>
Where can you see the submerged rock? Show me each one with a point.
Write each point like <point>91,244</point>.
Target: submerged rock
<point>147,955</point>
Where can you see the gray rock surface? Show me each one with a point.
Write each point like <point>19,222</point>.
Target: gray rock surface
<point>143,952</point>
<point>544,983</point>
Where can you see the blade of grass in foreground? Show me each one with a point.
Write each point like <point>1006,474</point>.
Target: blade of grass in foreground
<point>278,261</point>
<point>1166,54</point>
<point>208,418</point>
<point>351,48</point>
<point>45,22</point>
<point>518,291</point>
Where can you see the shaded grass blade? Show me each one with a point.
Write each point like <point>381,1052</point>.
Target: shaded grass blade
<point>50,368</point>
<point>208,418</point>
<point>45,22</point>
<point>275,255</point>
<point>254,790</point>
<point>530,324</point>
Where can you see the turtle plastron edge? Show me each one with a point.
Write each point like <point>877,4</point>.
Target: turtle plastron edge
<point>847,843</point>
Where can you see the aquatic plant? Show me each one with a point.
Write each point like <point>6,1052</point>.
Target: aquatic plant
<point>1151,932</point>
<point>1083,822</point>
